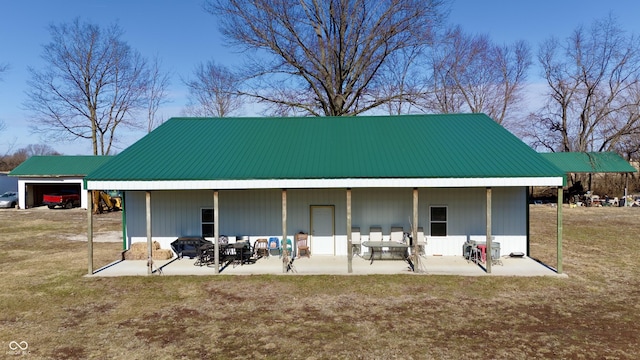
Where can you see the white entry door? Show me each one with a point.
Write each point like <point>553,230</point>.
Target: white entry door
<point>322,239</point>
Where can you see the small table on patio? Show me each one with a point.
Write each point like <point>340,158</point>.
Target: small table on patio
<point>373,245</point>
<point>242,252</point>
<point>236,253</point>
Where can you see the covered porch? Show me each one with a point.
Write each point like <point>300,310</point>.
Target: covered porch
<point>334,265</point>
<point>343,259</point>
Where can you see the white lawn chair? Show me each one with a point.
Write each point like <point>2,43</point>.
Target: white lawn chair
<point>397,234</point>
<point>422,242</point>
<point>356,242</point>
<point>375,233</point>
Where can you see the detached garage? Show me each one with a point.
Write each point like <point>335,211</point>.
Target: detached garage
<point>40,175</point>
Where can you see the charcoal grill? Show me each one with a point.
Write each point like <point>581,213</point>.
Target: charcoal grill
<point>188,246</point>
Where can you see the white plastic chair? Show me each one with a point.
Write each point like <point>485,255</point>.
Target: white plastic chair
<point>356,241</point>
<point>375,233</point>
<point>397,234</point>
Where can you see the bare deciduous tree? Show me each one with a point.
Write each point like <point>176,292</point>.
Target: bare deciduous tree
<point>325,57</point>
<point>402,79</point>
<point>3,68</point>
<point>38,150</point>
<point>156,93</point>
<point>11,161</point>
<point>93,84</point>
<point>472,74</point>
<point>213,92</point>
<point>593,81</point>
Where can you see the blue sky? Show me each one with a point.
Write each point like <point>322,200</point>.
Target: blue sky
<point>182,35</point>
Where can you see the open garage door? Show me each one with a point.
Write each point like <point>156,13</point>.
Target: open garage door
<point>35,191</point>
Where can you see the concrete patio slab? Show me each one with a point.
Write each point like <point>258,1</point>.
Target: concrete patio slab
<point>335,265</point>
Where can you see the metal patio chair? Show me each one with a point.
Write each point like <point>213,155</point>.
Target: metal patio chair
<point>302,244</point>
<point>261,248</point>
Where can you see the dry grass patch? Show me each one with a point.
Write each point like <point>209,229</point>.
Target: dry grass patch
<point>47,302</point>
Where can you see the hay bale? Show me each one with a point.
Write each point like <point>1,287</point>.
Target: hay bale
<point>134,255</point>
<point>162,254</point>
<point>138,251</point>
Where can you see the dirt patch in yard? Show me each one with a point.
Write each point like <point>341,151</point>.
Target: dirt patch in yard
<point>108,236</point>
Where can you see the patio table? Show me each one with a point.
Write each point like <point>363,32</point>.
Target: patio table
<point>378,245</point>
<point>241,253</point>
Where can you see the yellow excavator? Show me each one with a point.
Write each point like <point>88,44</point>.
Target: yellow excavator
<point>103,202</point>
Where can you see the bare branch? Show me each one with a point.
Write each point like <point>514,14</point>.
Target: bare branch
<point>156,93</point>
<point>94,83</point>
<point>213,92</point>
<point>335,50</point>
<point>3,68</point>
<point>471,74</point>
<point>593,89</point>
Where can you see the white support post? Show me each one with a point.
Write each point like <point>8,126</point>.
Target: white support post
<point>216,233</point>
<point>488,240</point>
<point>414,232</point>
<point>349,238</point>
<point>285,253</point>
<point>149,242</point>
<point>90,233</point>
<point>559,225</point>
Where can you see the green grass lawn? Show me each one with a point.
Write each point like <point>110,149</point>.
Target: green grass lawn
<point>47,302</point>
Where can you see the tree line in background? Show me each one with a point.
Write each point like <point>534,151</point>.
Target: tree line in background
<point>346,58</point>
<point>9,162</point>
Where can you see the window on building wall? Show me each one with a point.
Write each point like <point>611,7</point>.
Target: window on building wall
<point>206,220</point>
<point>438,220</point>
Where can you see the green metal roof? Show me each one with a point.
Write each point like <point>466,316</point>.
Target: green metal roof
<point>410,146</point>
<point>589,162</point>
<point>57,166</point>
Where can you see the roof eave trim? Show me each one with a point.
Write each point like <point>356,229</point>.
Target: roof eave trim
<point>48,176</point>
<point>321,183</point>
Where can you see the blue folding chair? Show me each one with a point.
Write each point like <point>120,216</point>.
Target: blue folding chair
<point>274,246</point>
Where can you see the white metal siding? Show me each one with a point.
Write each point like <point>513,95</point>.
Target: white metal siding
<point>173,214</point>
<point>381,207</point>
<point>253,213</point>
<point>467,217</point>
<point>257,213</point>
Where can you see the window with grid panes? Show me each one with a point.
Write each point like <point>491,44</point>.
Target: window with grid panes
<point>206,221</point>
<point>438,220</point>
